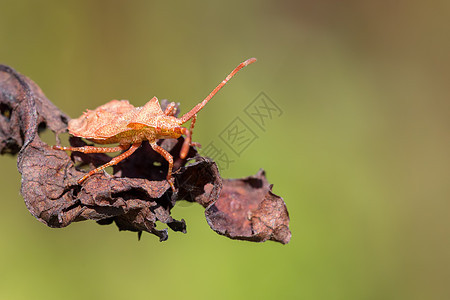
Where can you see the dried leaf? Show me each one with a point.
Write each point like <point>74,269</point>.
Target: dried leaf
<point>138,195</point>
<point>24,110</point>
<point>248,210</point>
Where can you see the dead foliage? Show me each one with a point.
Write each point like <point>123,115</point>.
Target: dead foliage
<point>137,195</point>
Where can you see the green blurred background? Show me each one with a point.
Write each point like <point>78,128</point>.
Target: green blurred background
<point>360,154</point>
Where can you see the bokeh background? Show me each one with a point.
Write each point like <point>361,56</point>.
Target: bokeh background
<point>360,154</point>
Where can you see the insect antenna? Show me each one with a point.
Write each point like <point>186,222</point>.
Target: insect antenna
<point>187,116</point>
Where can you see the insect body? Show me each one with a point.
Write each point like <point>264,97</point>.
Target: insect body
<point>120,122</point>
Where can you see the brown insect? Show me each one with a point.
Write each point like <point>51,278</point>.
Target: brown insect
<point>120,122</point>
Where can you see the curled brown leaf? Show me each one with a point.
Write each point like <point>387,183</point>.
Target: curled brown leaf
<point>248,210</point>
<point>137,195</point>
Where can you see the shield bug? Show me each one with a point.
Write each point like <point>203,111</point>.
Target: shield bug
<point>122,123</point>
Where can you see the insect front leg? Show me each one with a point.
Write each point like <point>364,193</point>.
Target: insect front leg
<point>170,109</point>
<point>112,162</point>
<point>188,140</point>
<point>169,159</point>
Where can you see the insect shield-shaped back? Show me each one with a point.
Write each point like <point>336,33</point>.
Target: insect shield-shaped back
<point>105,121</point>
<point>116,117</point>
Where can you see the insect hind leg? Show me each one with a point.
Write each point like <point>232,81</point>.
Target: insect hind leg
<point>92,149</point>
<point>112,162</point>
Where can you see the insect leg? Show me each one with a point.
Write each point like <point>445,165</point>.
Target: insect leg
<point>169,159</point>
<point>188,139</point>
<point>112,162</point>
<point>170,111</point>
<point>92,149</point>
